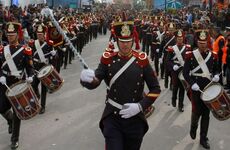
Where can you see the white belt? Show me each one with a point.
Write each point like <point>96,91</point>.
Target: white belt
<point>115,104</point>
<point>12,74</point>
<point>175,61</point>
<point>204,75</point>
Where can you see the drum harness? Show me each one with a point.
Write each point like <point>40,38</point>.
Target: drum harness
<point>202,65</point>
<point>178,55</point>
<point>160,35</point>
<point>39,51</point>
<point>11,64</point>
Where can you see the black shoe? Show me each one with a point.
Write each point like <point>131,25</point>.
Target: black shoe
<point>204,143</point>
<point>173,103</point>
<point>181,109</point>
<point>193,133</point>
<point>42,111</point>
<point>14,145</point>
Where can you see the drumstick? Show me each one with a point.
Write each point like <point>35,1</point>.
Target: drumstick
<point>203,93</point>
<point>212,81</point>
<point>8,88</point>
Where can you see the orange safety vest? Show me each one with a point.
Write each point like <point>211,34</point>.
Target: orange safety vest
<point>224,58</point>
<point>215,45</point>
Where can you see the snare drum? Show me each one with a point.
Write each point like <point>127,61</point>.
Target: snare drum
<point>183,81</point>
<point>23,100</point>
<point>50,78</point>
<point>217,101</point>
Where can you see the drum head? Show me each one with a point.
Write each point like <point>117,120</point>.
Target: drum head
<point>211,92</point>
<point>44,71</point>
<point>17,89</point>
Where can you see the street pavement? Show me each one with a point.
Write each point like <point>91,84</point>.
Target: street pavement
<point>73,113</point>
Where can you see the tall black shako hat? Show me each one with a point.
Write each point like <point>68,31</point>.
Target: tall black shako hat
<point>123,30</point>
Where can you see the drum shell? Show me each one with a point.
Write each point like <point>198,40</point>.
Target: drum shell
<point>52,80</point>
<point>220,105</point>
<point>24,100</point>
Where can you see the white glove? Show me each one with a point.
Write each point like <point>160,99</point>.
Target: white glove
<point>216,78</point>
<point>64,49</point>
<point>87,75</point>
<point>3,80</point>
<point>175,67</point>
<point>130,110</point>
<point>157,50</point>
<point>53,52</point>
<point>195,87</point>
<point>160,60</point>
<point>29,79</point>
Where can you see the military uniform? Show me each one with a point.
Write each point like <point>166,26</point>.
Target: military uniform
<point>168,40</point>
<point>21,61</point>
<point>155,50</point>
<point>41,57</point>
<point>202,79</point>
<point>176,55</point>
<point>122,132</point>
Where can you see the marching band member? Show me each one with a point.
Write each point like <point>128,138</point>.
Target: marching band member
<point>200,69</point>
<point>14,60</point>
<point>42,55</point>
<point>123,123</point>
<point>176,55</point>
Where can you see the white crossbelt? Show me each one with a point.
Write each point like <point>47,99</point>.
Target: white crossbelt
<point>9,60</point>
<point>115,104</point>
<point>169,42</point>
<point>159,35</point>
<point>121,71</point>
<point>202,63</point>
<point>39,50</point>
<point>178,54</point>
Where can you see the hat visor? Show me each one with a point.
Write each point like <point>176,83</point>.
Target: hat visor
<point>125,40</point>
<point>11,33</point>
<point>202,42</point>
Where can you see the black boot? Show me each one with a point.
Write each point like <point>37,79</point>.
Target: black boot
<point>42,111</point>
<point>14,145</point>
<point>9,116</point>
<point>204,143</point>
<point>194,125</point>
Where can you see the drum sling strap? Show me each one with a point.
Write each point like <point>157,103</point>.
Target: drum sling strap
<point>115,77</point>
<point>202,63</point>
<point>39,51</point>
<point>9,60</point>
<point>159,35</point>
<point>178,54</point>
